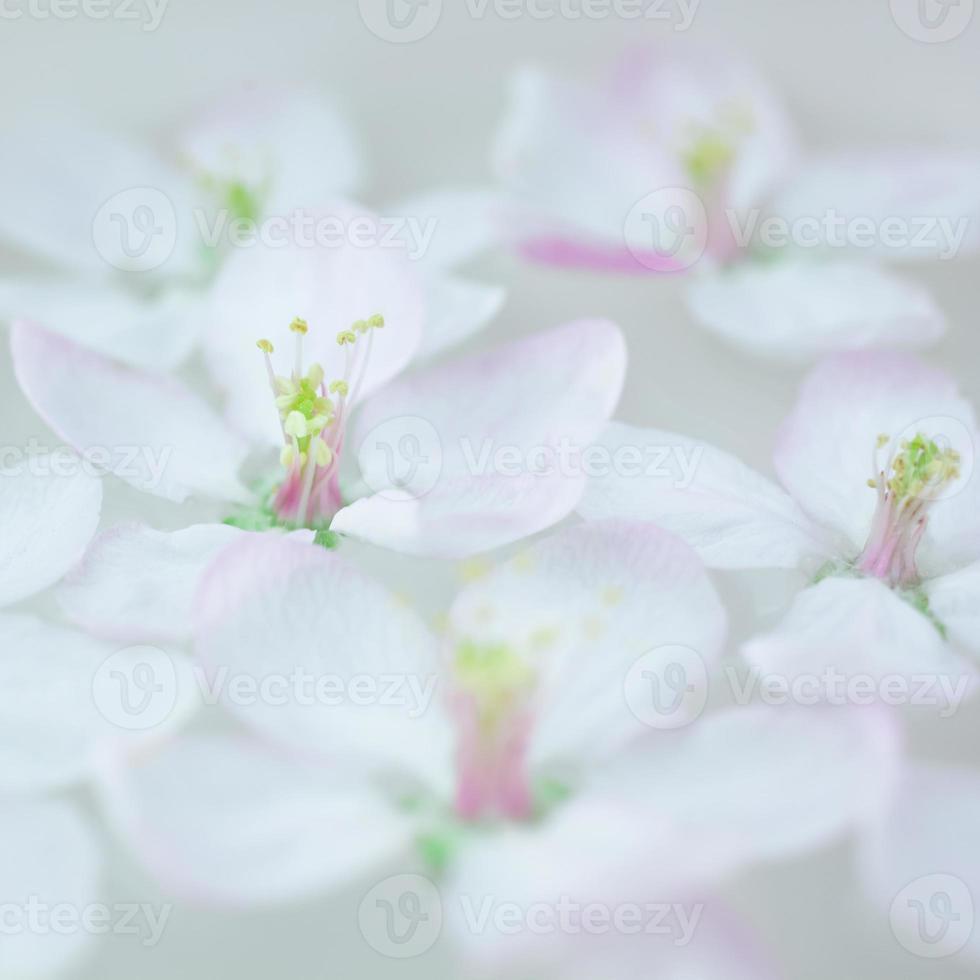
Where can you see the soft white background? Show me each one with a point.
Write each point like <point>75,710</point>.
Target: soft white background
<point>426,114</point>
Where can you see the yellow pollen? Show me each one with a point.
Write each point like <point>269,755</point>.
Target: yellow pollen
<point>376,321</point>
<point>361,326</point>
<point>265,346</point>
<point>339,388</point>
<point>346,337</point>
<point>299,325</point>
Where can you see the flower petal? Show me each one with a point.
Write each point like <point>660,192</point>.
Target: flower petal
<point>149,431</point>
<point>260,290</point>
<point>456,309</point>
<point>58,178</point>
<point>750,784</point>
<point>227,820</point>
<point>46,522</point>
<point>350,671</point>
<point>955,601</point>
<point>465,223</point>
<point>50,859</point>
<point>582,607</point>
<point>934,196</point>
<point>138,585</point>
<point>286,143</point>
<point>732,516</point>
<point>920,864</point>
<point>156,335</point>
<point>54,721</point>
<point>825,450</point>
<point>792,310</point>
<point>859,628</point>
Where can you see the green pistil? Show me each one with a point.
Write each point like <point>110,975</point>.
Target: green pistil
<point>493,674</point>
<point>922,465</point>
<point>707,159</point>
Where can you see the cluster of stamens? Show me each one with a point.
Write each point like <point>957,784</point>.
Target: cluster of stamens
<point>313,415</point>
<point>915,478</point>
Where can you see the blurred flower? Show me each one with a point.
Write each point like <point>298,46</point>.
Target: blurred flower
<point>517,772</point>
<point>880,509</point>
<point>684,160</point>
<point>529,394</point>
<point>135,237</point>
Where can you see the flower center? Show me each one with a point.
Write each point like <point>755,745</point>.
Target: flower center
<point>709,152</point>
<point>906,489</point>
<point>492,708</point>
<point>313,424</point>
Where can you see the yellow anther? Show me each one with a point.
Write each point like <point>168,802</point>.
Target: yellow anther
<point>315,375</point>
<point>883,440</point>
<point>339,388</point>
<point>346,337</point>
<point>265,346</point>
<point>376,321</point>
<point>287,457</point>
<point>295,425</point>
<point>322,453</point>
<point>361,326</point>
<point>299,325</point>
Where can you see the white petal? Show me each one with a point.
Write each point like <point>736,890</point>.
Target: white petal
<point>955,601</point>
<point>792,310</point>
<point>456,309</point>
<point>825,450</point>
<point>732,516</point>
<point>157,335</point>
<point>921,863</point>
<point>934,197</point>
<point>46,522</point>
<point>228,820</point>
<point>150,431</point>
<point>582,607</point>
<point>260,290</point>
<point>58,178</point>
<point>138,585</point>
<point>50,858</point>
<point>858,628</point>
<point>464,224</point>
<point>289,143</point>
<point>750,784</point>
<point>461,516</point>
<point>273,609</point>
<point>54,719</point>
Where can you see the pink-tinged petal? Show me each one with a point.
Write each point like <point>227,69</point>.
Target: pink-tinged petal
<point>498,436</point>
<point>260,290</point>
<point>62,701</point>
<point>920,204</point>
<point>859,629</point>
<point>138,585</point>
<point>825,450</point>
<point>954,600</point>
<point>70,194</point>
<point>793,310</point>
<point>731,515</point>
<point>463,223</point>
<point>921,864</point>
<point>751,784</point>
<point>46,522</point>
<point>461,516</point>
<point>456,309</point>
<point>227,820</point>
<point>272,609</point>
<point>156,335</point>
<point>574,164</point>
<point>582,608</point>
<point>286,145</point>
<point>50,858</point>
<point>150,431</point>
